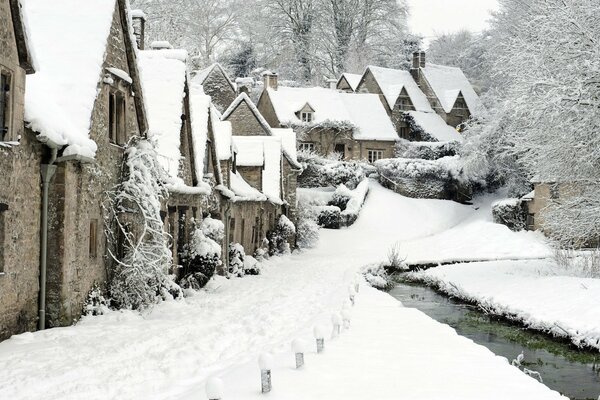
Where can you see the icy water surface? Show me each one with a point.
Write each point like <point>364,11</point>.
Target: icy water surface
<point>563,368</point>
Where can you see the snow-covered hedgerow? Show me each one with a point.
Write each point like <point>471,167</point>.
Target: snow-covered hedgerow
<point>510,212</point>
<point>377,276</point>
<point>279,239</point>
<point>329,217</point>
<point>426,150</point>
<point>355,203</point>
<point>202,254</point>
<point>323,172</point>
<point>438,179</point>
<point>132,220</point>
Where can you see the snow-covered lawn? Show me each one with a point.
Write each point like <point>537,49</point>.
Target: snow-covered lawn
<point>169,352</point>
<point>534,292</point>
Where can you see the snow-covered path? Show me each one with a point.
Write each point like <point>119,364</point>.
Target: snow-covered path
<point>169,352</point>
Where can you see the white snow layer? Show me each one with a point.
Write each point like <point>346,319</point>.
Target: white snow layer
<point>435,126</point>
<point>242,189</point>
<point>69,42</point>
<point>364,111</point>
<point>392,81</point>
<point>447,83</point>
<point>169,352</point>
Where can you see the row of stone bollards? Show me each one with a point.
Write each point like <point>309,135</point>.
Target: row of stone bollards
<point>214,386</point>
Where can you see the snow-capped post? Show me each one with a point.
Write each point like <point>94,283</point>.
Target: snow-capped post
<point>214,389</point>
<point>346,316</point>
<point>351,293</point>
<point>320,337</point>
<point>336,320</point>
<point>265,363</point>
<point>298,349</point>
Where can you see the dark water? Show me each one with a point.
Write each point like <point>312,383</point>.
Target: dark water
<point>563,368</point>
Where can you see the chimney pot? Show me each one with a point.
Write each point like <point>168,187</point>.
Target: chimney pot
<point>332,84</point>
<point>270,80</point>
<point>422,59</point>
<point>416,59</point>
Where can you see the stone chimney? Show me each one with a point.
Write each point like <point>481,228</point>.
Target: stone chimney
<point>416,59</point>
<point>332,84</point>
<point>270,80</point>
<point>138,20</point>
<point>422,59</point>
<point>417,63</point>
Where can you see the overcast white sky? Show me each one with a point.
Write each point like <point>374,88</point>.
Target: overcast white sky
<point>441,16</point>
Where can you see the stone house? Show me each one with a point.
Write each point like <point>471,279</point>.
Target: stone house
<point>412,99</point>
<point>348,82</point>
<point>20,181</point>
<point>217,85</point>
<point>356,126</point>
<point>83,127</point>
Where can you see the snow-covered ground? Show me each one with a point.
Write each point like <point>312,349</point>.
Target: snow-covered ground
<point>534,292</point>
<point>170,351</point>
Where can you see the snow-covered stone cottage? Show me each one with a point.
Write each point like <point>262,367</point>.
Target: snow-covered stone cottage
<point>427,103</point>
<point>217,85</point>
<point>330,121</point>
<point>20,181</point>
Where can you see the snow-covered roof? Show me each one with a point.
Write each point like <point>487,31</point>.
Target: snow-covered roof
<point>392,81</point>
<point>163,75</point>
<point>200,76</point>
<point>242,189</point>
<point>363,111</point>
<point>259,151</point>
<point>352,79</point>
<point>69,42</point>
<point>448,83</point>
<point>288,143</point>
<point>138,14</point>
<point>24,48</point>
<point>223,132</point>
<point>435,126</point>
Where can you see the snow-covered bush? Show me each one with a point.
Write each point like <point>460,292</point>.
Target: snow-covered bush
<point>396,259</point>
<point>132,220</point>
<point>510,212</point>
<point>323,172</point>
<point>357,199</point>
<point>307,228</point>
<point>237,256</point>
<point>261,254</point>
<point>426,150</point>
<point>329,217</point>
<point>202,254</point>
<point>279,239</point>
<point>439,179</point>
<point>251,266</point>
<point>378,277</point>
<point>341,197</point>
<point>96,303</point>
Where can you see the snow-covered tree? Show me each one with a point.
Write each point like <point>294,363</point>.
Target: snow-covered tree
<point>134,228</point>
<point>203,253</point>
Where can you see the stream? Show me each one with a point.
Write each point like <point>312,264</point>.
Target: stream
<point>572,372</point>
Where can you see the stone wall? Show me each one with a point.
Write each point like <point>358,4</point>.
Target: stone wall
<point>252,220</point>
<point>252,175</point>
<point>265,106</point>
<point>326,139</point>
<point>244,122</point>
<point>361,148</point>
<point>289,186</point>
<point>20,200</point>
<point>219,89</point>
<point>76,202</point>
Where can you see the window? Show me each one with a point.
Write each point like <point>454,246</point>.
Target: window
<point>530,222</point>
<point>4,105</point>
<point>116,118</point>
<point>306,116</point>
<point>231,229</point>
<point>306,146</point>
<point>181,231</point>
<point>93,238</point>
<point>374,155</point>
<point>340,148</point>
<point>242,231</point>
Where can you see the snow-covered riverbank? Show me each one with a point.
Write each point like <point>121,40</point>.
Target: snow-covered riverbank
<point>169,352</point>
<point>533,292</point>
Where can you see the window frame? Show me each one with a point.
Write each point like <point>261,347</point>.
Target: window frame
<point>117,117</point>
<point>371,153</point>
<point>307,116</point>
<point>93,239</point>
<point>306,146</point>
<point>6,109</point>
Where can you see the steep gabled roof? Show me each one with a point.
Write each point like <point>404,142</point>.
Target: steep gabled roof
<point>448,83</point>
<point>352,79</point>
<point>392,81</point>
<point>243,98</point>
<point>70,41</point>
<point>201,76</point>
<point>19,20</point>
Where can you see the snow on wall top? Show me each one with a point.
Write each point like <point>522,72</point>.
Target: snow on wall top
<point>223,132</point>
<point>200,76</point>
<point>364,111</point>
<point>369,116</point>
<point>163,79</point>
<point>254,149</point>
<point>242,189</point>
<point>435,126</point>
<point>69,42</point>
<point>352,79</point>
<point>391,82</point>
<point>447,83</point>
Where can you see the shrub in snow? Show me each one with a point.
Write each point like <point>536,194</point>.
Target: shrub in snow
<point>341,197</point>
<point>377,276</point>
<point>279,239</point>
<point>395,259</point>
<point>329,217</point>
<point>202,254</point>
<point>357,199</point>
<point>237,256</point>
<point>96,303</point>
<point>132,219</point>
<point>426,150</point>
<point>510,212</point>
<point>323,172</point>
<point>261,254</point>
<point>307,229</point>
<point>251,266</point>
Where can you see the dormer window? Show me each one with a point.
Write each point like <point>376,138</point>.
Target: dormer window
<point>4,105</point>
<point>306,116</point>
